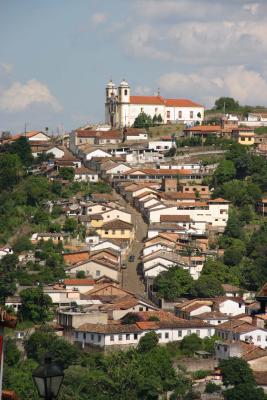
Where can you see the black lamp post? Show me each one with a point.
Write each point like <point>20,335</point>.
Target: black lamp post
<point>48,378</point>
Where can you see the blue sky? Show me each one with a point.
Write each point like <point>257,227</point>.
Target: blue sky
<point>56,56</point>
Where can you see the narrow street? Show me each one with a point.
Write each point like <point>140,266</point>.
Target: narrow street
<point>131,279</point>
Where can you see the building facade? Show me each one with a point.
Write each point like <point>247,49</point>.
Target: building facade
<point>121,108</point>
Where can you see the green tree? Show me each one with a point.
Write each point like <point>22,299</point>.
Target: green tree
<point>174,283</point>
<point>233,255</point>
<point>227,104</point>
<point>244,391</point>
<point>70,225</point>
<point>212,388</point>
<point>12,353</point>
<point>19,379</point>
<point>21,147</point>
<point>207,286</point>
<point>224,172</point>
<point>143,120</point>
<point>11,170</point>
<point>80,275</point>
<point>66,173</point>
<point>236,371</point>
<point>35,305</point>
<point>234,226</point>
<point>148,342</point>
<point>23,243</point>
<point>191,343</point>
<point>7,276</point>
<point>241,192</point>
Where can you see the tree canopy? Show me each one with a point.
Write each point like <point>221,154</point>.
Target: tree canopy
<point>35,305</point>
<point>174,283</point>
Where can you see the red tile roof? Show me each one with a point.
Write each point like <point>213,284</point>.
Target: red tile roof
<point>158,100</point>
<point>204,128</point>
<point>79,282</point>
<point>181,103</point>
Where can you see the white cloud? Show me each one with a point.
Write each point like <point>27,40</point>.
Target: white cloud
<point>98,19</point>
<point>142,90</point>
<point>144,41</point>
<point>19,96</point>
<point>252,8</point>
<point>247,86</point>
<point>7,68</point>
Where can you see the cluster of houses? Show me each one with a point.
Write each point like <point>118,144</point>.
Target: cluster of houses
<point>182,219</point>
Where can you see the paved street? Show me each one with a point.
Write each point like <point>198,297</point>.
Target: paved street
<point>131,279</point>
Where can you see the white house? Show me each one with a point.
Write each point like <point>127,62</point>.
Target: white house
<point>132,135</point>
<point>96,153</point>
<point>110,215</point>
<point>57,151</point>
<point>161,145</point>
<point>96,269</point>
<point>242,330</point>
<point>80,285</point>
<point>85,174</point>
<point>117,169</point>
<point>168,329</point>
<point>121,108</point>
<point>4,251</point>
<point>213,212</point>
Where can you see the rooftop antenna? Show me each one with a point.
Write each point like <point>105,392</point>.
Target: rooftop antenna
<point>25,129</point>
<point>158,91</point>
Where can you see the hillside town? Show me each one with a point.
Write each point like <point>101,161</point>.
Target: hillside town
<point>138,229</point>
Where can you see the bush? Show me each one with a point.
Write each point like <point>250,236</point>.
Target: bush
<point>23,243</point>
<point>200,374</point>
<point>212,388</point>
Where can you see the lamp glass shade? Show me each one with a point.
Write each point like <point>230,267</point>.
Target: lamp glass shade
<point>48,379</point>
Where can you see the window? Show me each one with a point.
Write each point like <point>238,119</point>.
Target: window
<point>180,114</point>
<point>258,338</point>
<point>156,110</point>
<point>92,336</point>
<point>76,335</point>
<point>191,114</point>
<point>166,335</point>
<point>97,273</point>
<point>209,332</point>
<point>141,309</point>
<point>92,177</point>
<point>142,109</point>
<point>198,332</point>
<point>99,338</point>
<point>84,336</point>
<point>135,336</point>
<point>189,332</point>
<point>168,114</point>
<point>128,336</point>
<point>112,338</point>
<point>159,335</point>
<point>106,232</point>
<point>180,333</point>
<point>120,336</point>
<point>242,139</point>
<point>125,92</point>
<point>122,231</point>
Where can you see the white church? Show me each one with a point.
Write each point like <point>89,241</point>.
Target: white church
<point>121,108</point>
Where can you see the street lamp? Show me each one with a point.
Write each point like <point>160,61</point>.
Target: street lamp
<point>48,378</point>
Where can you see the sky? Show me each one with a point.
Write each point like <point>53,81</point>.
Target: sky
<point>56,56</point>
